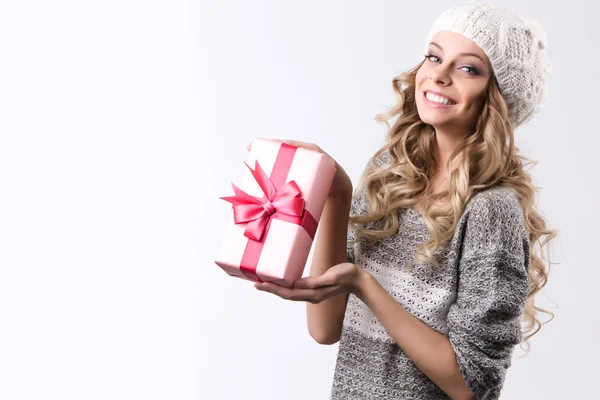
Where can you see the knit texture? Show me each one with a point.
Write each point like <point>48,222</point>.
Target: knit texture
<point>515,46</point>
<point>476,299</point>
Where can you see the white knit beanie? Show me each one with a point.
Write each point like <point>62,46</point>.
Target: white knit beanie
<point>516,47</point>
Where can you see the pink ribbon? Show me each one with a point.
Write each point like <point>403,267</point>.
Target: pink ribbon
<point>256,212</point>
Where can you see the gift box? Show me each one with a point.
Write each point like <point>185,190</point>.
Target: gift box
<point>275,212</point>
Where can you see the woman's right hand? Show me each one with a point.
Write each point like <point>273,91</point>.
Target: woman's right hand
<point>341,185</point>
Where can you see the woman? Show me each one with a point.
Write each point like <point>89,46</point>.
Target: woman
<point>425,293</point>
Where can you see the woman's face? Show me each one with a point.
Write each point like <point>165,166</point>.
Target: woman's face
<point>457,70</point>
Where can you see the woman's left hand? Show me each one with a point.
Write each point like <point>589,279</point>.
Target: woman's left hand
<point>340,279</point>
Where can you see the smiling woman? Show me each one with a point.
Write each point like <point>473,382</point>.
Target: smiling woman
<point>451,87</point>
<point>456,83</point>
<point>426,282</point>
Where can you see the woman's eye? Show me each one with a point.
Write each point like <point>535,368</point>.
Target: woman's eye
<point>436,59</point>
<point>472,72</point>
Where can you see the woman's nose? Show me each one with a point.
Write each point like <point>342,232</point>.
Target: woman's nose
<point>440,75</point>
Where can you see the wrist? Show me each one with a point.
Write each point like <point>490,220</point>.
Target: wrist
<point>363,278</point>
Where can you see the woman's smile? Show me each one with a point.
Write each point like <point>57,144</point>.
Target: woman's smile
<point>435,104</point>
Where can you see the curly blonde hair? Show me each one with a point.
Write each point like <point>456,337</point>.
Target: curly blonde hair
<point>486,157</point>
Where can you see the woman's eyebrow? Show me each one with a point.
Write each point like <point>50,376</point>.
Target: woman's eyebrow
<point>460,54</point>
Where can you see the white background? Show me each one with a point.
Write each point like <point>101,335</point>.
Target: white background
<point>121,124</point>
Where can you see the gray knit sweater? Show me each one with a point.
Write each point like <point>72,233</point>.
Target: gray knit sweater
<point>476,299</point>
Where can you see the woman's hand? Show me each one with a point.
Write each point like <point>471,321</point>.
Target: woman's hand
<point>340,279</point>
<point>341,185</point>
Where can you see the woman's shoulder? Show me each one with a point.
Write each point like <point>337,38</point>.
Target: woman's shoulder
<point>385,157</point>
<point>495,201</point>
<point>494,219</point>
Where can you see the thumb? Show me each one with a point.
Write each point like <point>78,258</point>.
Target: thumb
<point>309,282</point>
<point>315,282</point>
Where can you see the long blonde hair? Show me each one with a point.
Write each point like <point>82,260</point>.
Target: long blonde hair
<point>487,157</point>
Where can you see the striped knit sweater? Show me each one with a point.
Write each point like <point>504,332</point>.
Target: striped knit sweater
<point>476,299</point>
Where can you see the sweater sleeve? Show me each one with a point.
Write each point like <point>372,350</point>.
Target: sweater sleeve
<point>357,207</point>
<point>484,324</point>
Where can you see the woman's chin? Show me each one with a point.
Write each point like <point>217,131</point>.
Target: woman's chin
<point>434,120</point>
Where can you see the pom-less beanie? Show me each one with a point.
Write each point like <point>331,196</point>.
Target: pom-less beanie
<point>515,46</point>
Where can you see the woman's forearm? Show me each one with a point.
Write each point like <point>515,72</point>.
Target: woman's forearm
<point>428,349</point>
<point>325,318</point>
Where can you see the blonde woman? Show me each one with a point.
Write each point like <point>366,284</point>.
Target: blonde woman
<point>425,274</point>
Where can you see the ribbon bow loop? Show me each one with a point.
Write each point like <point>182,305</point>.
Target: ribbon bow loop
<point>256,211</point>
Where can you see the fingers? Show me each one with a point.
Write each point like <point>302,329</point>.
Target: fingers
<point>315,282</point>
<point>310,295</point>
<point>323,293</point>
<point>295,143</point>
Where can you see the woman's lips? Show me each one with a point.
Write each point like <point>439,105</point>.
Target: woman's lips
<point>434,104</point>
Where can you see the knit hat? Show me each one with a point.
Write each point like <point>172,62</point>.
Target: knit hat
<point>515,46</point>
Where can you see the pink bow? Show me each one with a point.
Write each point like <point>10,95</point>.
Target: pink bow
<point>256,211</point>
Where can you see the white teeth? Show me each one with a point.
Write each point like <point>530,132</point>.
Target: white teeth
<point>438,99</point>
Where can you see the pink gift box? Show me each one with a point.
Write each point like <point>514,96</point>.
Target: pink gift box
<point>277,206</point>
